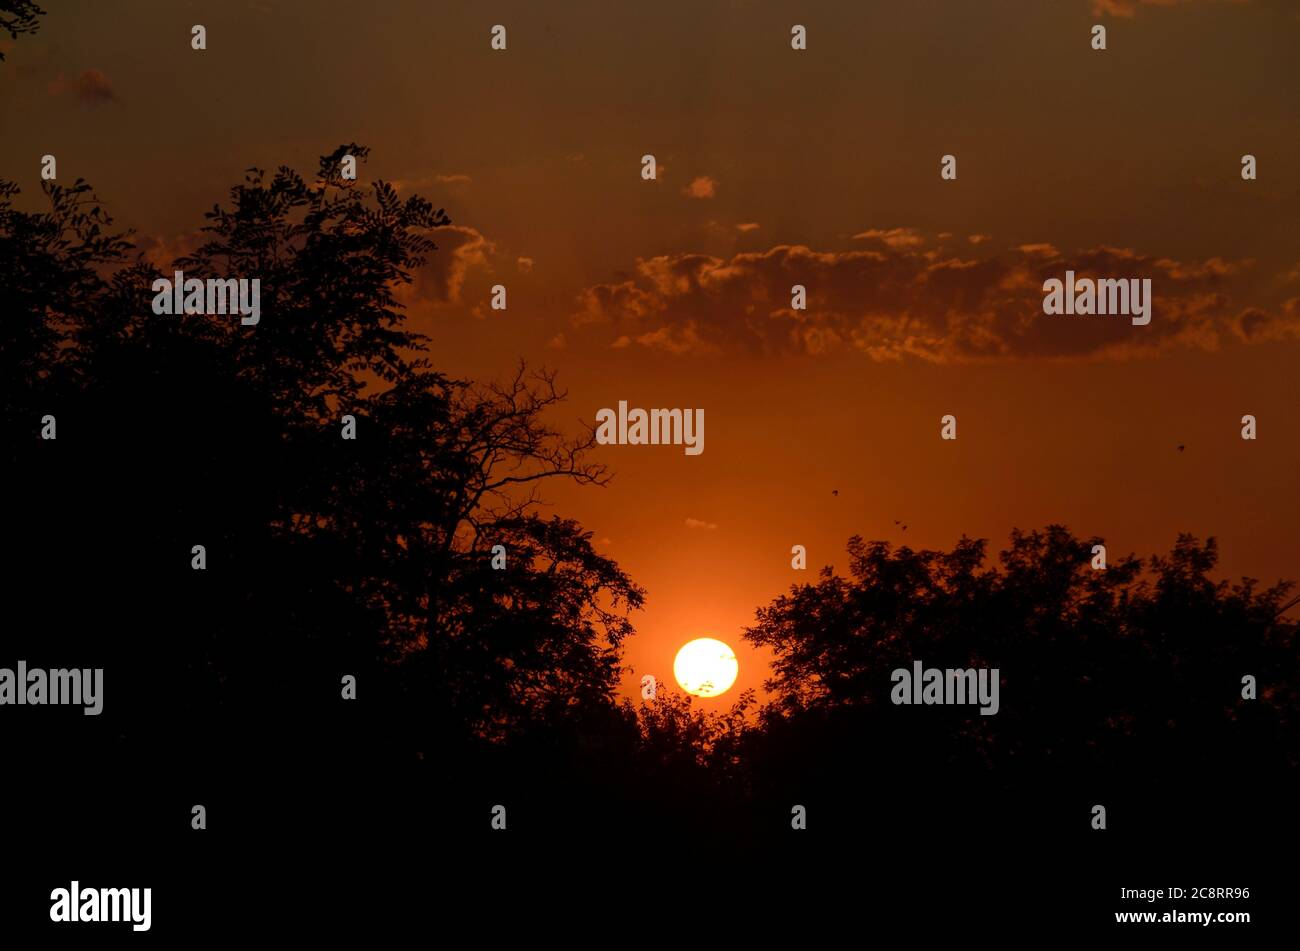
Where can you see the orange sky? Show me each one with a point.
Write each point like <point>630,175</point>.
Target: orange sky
<point>923,294</point>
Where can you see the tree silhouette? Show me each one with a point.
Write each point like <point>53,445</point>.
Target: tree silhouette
<point>19,16</point>
<point>1134,671</point>
<point>325,556</point>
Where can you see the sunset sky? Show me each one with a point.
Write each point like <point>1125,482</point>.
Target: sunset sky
<point>779,167</point>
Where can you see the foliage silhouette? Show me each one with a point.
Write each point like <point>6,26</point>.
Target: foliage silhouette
<point>17,17</point>
<point>325,557</point>
<point>1121,681</point>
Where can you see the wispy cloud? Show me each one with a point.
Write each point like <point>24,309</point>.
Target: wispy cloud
<point>894,237</point>
<point>461,249</point>
<point>1129,8</point>
<point>427,181</point>
<point>92,88</point>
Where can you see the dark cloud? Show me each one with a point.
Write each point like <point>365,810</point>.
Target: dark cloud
<point>907,296</point>
<point>92,88</point>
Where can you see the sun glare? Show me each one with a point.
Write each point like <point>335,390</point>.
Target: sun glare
<point>706,667</point>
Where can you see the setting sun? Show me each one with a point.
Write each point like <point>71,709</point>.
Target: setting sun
<point>706,667</point>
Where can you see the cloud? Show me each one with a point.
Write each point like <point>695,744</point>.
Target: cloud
<point>747,226</point>
<point>894,238</point>
<point>92,88</point>
<point>461,249</point>
<point>426,181</point>
<point>162,251</point>
<point>1129,8</point>
<point>525,264</point>
<point>696,523</point>
<point>702,187</point>
<point>1039,248</point>
<point>977,238</point>
<point>904,299</point>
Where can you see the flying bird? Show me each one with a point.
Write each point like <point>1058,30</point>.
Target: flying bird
<point>835,491</point>
<point>1181,448</point>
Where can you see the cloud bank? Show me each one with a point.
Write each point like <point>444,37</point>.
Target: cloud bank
<point>906,296</point>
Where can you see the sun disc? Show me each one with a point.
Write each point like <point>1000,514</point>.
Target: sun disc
<point>706,667</point>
